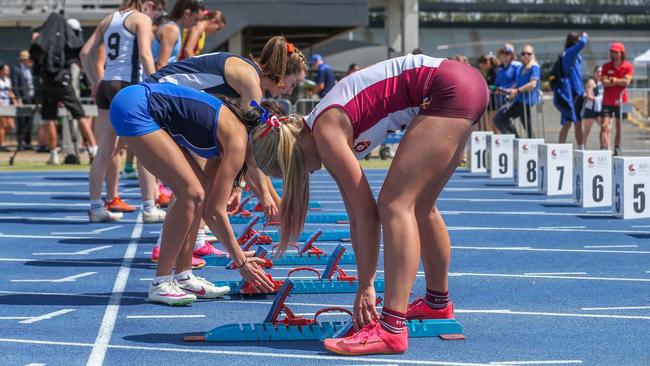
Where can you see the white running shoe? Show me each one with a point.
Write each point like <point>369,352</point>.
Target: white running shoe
<point>169,293</point>
<point>103,215</point>
<point>53,160</point>
<point>154,216</point>
<point>201,288</point>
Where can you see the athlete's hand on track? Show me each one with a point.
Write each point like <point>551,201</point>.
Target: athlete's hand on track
<point>364,310</point>
<point>270,209</point>
<point>253,273</point>
<point>234,201</point>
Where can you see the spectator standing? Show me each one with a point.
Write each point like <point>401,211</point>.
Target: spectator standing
<point>522,96</point>
<point>489,64</point>
<point>7,98</point>
<point>568,95</point>
<point>23,83</point>
<point>54,49</point>
<point>506,76</point>
<point>616,77</point>
<point>193,39</point>
<point>593,108</point>
<point>168,37</point>
<point>325,78</point>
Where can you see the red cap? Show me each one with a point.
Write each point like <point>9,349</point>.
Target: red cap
<point>617,47</point>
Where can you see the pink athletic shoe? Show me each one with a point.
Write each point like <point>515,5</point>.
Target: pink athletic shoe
<point>370,340</point>
<point>208,249</point>
<point>197,262</point>
<point>419,309</point>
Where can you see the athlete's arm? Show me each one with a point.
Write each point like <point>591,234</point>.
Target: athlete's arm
<point>88,53</point>
<point>232,137</point>
<point>143,31</point>
<point>333,144</point>
<point>193,37</point>
<point>167,37</point>
<point>244,79</point>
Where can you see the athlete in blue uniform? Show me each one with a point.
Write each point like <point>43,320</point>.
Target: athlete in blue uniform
<point>160,121</point>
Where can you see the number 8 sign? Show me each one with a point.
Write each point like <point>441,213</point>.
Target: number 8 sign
<point>631,187</point>
<point>526,166</point>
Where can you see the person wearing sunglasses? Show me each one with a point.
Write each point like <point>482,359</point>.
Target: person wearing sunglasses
<point>281,69</point>
<point>115,56</point>
<point>436,102</point>
<point>616,77</point>
<point>568,97</point>
<point>162,123</point>
<point>522,96</point>
<point>506,73</point>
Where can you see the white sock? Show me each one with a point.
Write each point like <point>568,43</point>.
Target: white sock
<point>54,153</point>
<point>160,279</point>
<point>148,205</point>
<point>581,147</point>
<point>96,205</point>
<point>92,150</point>
<point>183,276</point>
<point>200,239</point>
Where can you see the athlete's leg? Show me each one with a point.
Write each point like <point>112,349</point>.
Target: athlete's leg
<point>426,166</point>
<point>106,139</point>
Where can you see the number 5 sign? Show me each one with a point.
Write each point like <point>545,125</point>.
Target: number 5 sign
<point>555,169</point>
<point>631,187</point>
<point>500,155</point>
<point>593,178</point>
<point>478,152</point>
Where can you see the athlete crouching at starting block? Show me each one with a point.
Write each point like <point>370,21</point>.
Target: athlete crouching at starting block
<point>154,119</point>
<point>436,102</point>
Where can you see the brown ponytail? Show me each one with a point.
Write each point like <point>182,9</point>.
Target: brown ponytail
<point>280,58</point>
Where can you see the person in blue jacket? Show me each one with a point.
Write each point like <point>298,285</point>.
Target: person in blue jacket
<point>506,75</point>
<point>521,96</point>
<point>568,97</point>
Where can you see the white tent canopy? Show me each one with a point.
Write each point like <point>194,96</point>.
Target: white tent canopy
<point>643,58</point>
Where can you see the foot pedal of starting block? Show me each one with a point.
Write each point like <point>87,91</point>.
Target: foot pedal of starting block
<point>291,327</point>
<point>308,254</point>
<point>325,283</point>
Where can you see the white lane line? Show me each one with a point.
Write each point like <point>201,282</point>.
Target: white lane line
<point>617,308</point>
<point>46,316</point>
<point>529,249</point>
<point>63,294</point>
<point>34,319</point>
<point>164,316</point>
<point>55,218</point>
<point>80,252</point>
<point>43,204</point>
<point>110,316</point>
<point>274,355</point>
<point>20,236</point>
<point>35,364</point>
<point>59,280</point>
<point>503,275</point>
<point>610,246</point>
<point>543,200</point>
<point>17,260</point>
<point>554,273</point>
<point>495,228</point>
<point>96,231</point>
<point>549,362</point>
<point>560,315</point>
<point>62,193</point>
<point>562,227</point>
<point>640,226</point>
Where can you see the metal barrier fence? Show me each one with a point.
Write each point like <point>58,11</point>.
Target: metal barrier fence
<point>531,116</point>
<point>637,112</point>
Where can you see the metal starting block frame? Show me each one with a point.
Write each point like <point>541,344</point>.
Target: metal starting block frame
<point>329,235</point>
<point>249,232</point>
<point>324,283</point>
<point>324,218</point>
<point>297,328</point>
<point>308,254</point>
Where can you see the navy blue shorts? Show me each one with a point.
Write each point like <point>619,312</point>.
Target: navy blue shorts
<point>129,112</point>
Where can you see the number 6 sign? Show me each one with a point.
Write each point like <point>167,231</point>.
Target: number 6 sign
<point>593,178</point>
<point>631,187</point>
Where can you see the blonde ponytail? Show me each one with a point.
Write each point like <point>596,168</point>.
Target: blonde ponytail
<point>278,150</point>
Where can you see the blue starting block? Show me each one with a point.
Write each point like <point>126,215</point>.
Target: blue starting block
<point>324,283</point>
<point>326,218</point>
<point>224,259</point>
<point>308,254</point>
<point>329,235</point>
<point>297,328</point>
